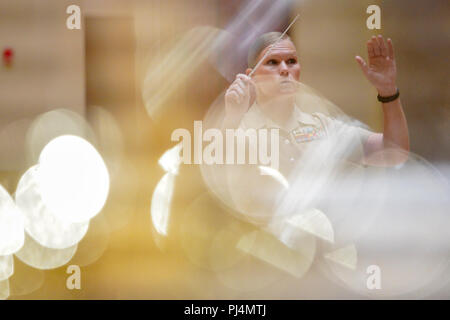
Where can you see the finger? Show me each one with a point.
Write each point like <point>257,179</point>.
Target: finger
<point>233,96</point>
<point>376,46</point>
<point>241,84</point>
<point>377,39</point>
<point>390,48</point>
<point>243,77</point>
<point>238,90</point>
<point>362,64</point>
<point>370,50</point>
<point>384,51</point>
<point>246,79</point>
<point>232,89</point>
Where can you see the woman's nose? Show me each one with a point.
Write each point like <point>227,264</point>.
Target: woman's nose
<point>283,69</point>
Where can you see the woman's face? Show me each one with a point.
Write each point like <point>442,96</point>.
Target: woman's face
<point>280,70</point>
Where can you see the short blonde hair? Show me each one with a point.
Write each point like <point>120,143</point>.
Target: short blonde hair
<point>260,44</point>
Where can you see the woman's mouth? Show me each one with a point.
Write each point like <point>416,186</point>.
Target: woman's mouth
<point>286,81</point>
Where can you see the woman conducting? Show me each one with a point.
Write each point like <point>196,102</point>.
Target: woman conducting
<point>270,99</point>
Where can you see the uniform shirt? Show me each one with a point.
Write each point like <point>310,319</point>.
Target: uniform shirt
<point>304,132</point>
<point>310,144</point>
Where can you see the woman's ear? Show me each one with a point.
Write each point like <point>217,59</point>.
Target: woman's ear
<point>247,72</point>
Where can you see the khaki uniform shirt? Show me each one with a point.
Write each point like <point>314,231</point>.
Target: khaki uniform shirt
<point>303,133</point>
<point>301,151</point>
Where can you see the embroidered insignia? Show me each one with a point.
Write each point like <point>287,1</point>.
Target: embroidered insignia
<point>308,133</point>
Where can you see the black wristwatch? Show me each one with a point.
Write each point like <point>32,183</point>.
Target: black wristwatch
<point>390,98</point>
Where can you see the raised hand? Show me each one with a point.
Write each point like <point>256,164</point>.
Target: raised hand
<point>381,70</point>
<point>237,97</point>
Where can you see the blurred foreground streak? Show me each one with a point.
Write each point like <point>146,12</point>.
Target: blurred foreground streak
<point>395,219</point>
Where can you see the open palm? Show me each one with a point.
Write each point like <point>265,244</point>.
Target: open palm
<point>380,70</point>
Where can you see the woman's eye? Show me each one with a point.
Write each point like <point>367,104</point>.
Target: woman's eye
<point>272,62</point>
<point>292,61</point>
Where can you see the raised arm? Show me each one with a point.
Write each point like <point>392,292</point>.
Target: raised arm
<point>381,71</point>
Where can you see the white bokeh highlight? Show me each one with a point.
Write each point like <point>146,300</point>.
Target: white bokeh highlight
<point>73,178</point>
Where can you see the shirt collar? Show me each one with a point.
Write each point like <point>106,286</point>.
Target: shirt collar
<point>255,118</point>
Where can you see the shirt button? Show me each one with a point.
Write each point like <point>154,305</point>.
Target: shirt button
<point>287,141</point>
<point>291,159</point>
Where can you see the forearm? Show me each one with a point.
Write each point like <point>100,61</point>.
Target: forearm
<point>392,146</point>
<point>395,132</point>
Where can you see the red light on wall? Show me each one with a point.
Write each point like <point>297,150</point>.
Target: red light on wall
<point>8,55</point>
